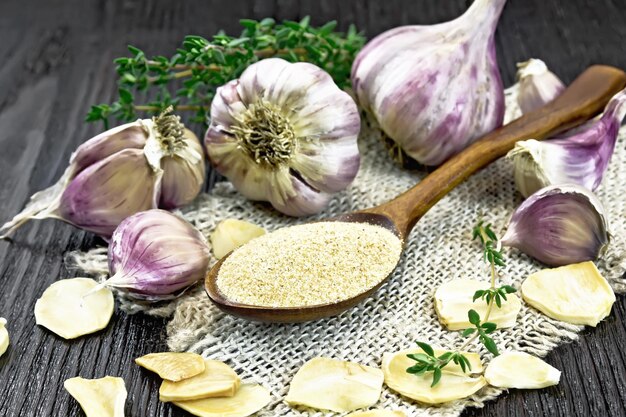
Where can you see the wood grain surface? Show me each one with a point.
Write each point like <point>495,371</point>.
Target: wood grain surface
<point>56,60</point>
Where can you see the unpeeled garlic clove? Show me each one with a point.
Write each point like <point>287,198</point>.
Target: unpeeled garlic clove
<point>537,85</point>
<point>231,233</point>
<point>217,380</point>
<point>331,384</point>
<point>154,255</point>
<point>74,307</point>
<point>454,299</point>
<point>4,336</point>
<point>580,156</point>
<point>453,385</point>
<point>377,413</point>
<point>103,397</point>
<point>559,225</point>
<point>173,366</point>
<point>576,294</point>
<point>520,370</point>
<point>249,399</point>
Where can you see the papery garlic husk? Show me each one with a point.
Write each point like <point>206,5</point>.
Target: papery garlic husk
<point>154,255</point>
<point>559,225</point>
<point>537,85</point>
<point>434,89</point>
<point>103,397</point>
<point>520,370</point>
<point>455,298</point>
<point>138,166</point>
<point>576,294</point>
<point>173,366</point>
<point>580,156</point>
<point>4,336</point>
<point>249,399</point>
<point>285,133</point>
<point>454,384</point>
<point>331,384</point>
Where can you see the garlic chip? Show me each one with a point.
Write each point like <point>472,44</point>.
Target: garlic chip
<point>575,294</point>
<point>231,233</point>
<point>454,384</point>
<point>173,366</point>
<point>67,309</point>
<point>249,399</point>
<point>4,336</point>
<point>104,397</point>
<point>454,299</point>
<point>217,380</point>
<point>520,370</point>
<point>377,413</point>
<point>331,384</point>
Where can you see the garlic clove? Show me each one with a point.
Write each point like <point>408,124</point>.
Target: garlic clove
<point>249,399</point>
<point>559,225</point>
<point>217,380</point>
<point>173,366</point>
<point>330,384</point>
<point>454,383</point>
<point>231,233</point>
<point>74,307</point>
<point>434,89</point>
<point>103,397</point>
<point>454,298</point>
<point>537,85</point>
<point>154,255</point>
<point>4,336</point>
<point>377,413</point>
<point>520,370</point>
<point>576,293</point>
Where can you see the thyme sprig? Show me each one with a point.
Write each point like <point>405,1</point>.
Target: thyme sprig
<point>428,361</point>
<point>188,79</point>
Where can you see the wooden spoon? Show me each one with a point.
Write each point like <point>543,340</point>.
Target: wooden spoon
<point>583,99</point>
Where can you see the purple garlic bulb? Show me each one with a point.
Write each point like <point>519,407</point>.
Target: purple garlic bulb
<point>138,166</point>
<point>434,89</point>
<point>537,85</point>
<point>155,255</point>
<point>580,156</point>
<point>285,133</point>
<point>559,225</point>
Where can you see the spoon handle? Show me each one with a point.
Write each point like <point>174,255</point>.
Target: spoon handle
<point>583,99</point>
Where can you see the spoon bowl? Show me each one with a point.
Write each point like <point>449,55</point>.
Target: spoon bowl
<point>583,99</point>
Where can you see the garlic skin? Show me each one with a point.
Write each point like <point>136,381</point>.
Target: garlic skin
<point>154,255</point>
<point>559,225</point>
<point>285,133</point>
<point>434,89</point>
<point>138,166</point>
<point>537,85</point>
<point>580,156</point>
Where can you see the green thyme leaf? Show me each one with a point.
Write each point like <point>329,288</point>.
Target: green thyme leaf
<point>426,348</point>
<point>473,317</point>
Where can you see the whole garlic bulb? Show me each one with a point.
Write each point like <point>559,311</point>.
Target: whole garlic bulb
<point>154,255</point>
<point>434,89</point>
<point>559,225</point>
<point>138,166</point>
<point>537,85</point>
<point>285,133</point>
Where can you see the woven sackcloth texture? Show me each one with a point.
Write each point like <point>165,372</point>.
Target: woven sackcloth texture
<point>438,250</point>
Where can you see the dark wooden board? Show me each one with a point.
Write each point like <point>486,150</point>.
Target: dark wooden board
<point>56,60</point>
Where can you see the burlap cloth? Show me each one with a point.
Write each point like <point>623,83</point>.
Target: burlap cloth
<point>438,250</point>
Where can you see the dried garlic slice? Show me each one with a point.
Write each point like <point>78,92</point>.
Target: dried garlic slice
<point>4,336</point>
<point>65,310</point>
<point>575,294</point>
<point>249,399</point>
<point>454,384</point>
<point>217,380</point>
<point>520,370</point>
<point>231,233</point>
<point>377,413</point>
<point>331,384</point>
<point>104,397</point>
<point>453,300</point>
<point>173,366</point>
